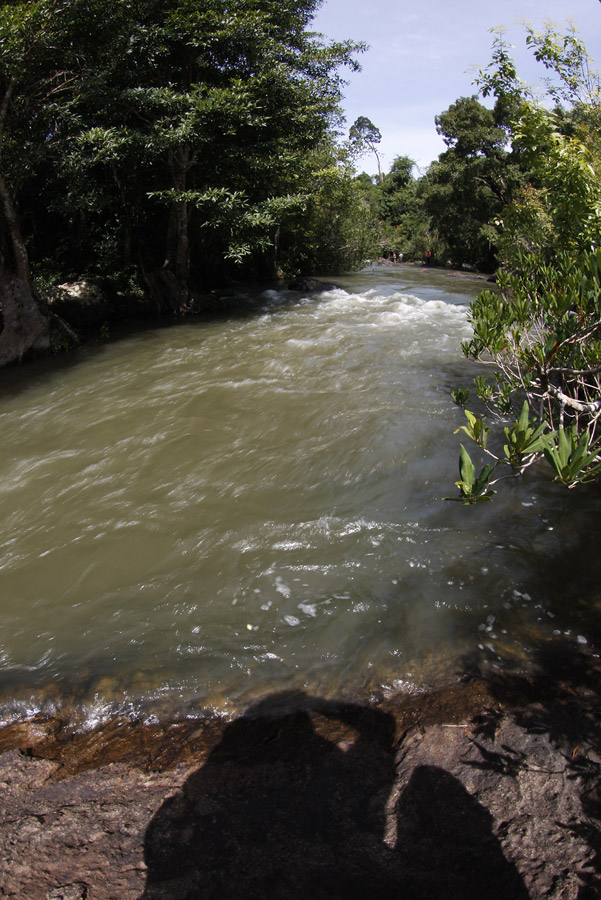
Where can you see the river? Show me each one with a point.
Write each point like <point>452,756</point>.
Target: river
<point>196,515</point>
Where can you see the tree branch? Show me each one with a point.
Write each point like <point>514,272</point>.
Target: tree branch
<point>4,106</point>
<point>592,407</point>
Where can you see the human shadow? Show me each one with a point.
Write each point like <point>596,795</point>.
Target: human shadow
<point>294,803</point>
<point>446,848</point>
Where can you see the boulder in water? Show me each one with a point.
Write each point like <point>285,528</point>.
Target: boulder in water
<point>313,285</point>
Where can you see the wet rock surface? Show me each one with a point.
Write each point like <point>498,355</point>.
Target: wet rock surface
<point>82,304</point>
<point>312,285</point>
<point>86,306</point>
<point>489,788</point>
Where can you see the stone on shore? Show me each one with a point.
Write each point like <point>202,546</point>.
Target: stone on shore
<point>457,795</point>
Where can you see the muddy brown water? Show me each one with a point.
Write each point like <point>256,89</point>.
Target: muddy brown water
<point>195,516</point>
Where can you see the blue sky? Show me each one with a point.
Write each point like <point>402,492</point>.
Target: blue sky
<point>422,57</point>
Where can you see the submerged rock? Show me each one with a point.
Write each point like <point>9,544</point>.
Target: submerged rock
<point>312,285</point>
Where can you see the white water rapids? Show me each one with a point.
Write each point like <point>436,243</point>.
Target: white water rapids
<point>195,515</point>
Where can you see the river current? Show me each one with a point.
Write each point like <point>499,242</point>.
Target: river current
<point>196,515</point>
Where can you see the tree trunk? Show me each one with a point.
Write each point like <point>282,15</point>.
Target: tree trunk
<point>24,329</point>
<point>182,255</point>
<point>178,239</point>
<point>167,293</point>
<point>28,326</point>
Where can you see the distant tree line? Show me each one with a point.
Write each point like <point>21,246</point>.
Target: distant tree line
<point>453,209</point>
<point>502,186</point>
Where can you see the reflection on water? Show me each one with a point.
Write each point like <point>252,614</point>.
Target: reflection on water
<point>195,515</point>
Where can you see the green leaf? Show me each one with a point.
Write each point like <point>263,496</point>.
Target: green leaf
<point>573,456</point>
<point>475,429</point>
<point>472,489</point>
<point>460,395</point>
<point>466,468</point>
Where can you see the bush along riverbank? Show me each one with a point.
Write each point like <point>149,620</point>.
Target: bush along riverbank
<point>486,788</point>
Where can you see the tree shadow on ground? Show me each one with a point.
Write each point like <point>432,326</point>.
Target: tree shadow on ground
<point>294,803</point>
<point>558,693</point>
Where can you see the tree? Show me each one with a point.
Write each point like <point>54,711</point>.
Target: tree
<point>224,119</point>
<point>335,231</point>
<point>36,70</point>
<point>397,190</point>
<point>556,206</point>
<point>171,139</point>
<point>471,182</point>
<point>363,133</point>
<point>542,332</point>
<point>398,220</point>
<point>402,211</point>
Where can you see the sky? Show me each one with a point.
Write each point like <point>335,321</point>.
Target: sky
<point>423,56</point>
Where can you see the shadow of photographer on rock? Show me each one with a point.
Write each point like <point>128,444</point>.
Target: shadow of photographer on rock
<point>294,803</point>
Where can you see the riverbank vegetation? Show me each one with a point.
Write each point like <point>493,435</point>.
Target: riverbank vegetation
<point>540,334</point>
<point>167,147</point>
<point>518,191</point>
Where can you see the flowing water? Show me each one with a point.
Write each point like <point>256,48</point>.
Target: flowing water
<point>195,515</point>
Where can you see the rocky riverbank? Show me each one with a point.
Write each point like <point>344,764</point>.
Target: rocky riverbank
<point>488,788</point>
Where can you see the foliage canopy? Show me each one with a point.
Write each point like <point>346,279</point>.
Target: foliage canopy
<point>174,136</point>
<point>541,330</point>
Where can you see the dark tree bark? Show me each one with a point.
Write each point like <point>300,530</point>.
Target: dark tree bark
<point>178,240</point>
<point>28,327</point>
<point>166,291</point>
